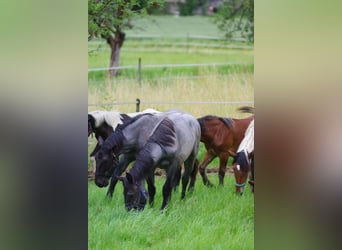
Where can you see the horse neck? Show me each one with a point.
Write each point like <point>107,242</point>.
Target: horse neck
<point>115,140</point>
<point>104,131</point>
<point>146,161</point>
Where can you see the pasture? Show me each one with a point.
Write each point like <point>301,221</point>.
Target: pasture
<point>209,218</point>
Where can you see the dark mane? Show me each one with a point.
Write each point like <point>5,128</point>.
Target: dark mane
<point>228,122</point>
<point>115,139</point>
<point>164,134</point>
<point>130,121</point>
<point>91,119</point>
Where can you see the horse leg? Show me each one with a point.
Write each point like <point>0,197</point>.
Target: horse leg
<point>193,175</point>
<point>223,167</point>
<point>189,166</point>
<point>172,175</point>
<point>207,159</point>
<point>177,178</point>
<point>167,188</point>
<point>151,189</point>
<point>123,164</point>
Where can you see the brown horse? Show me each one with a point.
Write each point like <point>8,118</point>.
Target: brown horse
<point>221,137</point>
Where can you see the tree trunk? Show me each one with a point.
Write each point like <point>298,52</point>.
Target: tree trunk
<point>115,45</point>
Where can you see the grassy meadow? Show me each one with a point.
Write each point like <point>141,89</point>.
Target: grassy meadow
<point>209,218</point>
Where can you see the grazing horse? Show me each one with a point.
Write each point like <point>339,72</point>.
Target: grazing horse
<point>221,137</point>
<point>127,140</point>
<point>174,141</point>
<point>103,123</point>
<point>244,159</point>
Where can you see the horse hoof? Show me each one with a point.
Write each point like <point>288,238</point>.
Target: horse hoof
<point>209,184</point>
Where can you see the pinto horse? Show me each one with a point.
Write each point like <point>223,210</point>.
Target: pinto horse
<point>221,137</point>
<point>244,158</point>
<point>174,141</point>
<point>102,124</point>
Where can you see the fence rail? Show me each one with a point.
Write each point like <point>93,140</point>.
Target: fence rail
<point>171,66</point>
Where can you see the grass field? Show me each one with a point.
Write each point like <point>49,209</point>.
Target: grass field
<point>209,218</point>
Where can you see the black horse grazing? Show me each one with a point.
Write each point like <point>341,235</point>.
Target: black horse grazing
<point>103,123</point>
<point>174,141</point>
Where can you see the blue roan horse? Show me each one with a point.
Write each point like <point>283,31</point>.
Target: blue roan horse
<point>174,141</point>
<point>127,140</point>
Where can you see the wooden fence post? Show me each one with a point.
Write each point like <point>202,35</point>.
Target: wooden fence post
<point>137,105</point>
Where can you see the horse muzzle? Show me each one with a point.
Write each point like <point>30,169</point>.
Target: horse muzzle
<point>101,181</point>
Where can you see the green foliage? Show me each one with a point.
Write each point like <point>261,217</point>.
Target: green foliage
<point>236,16</point>
<point>189,6</point>
<point>106,17</point>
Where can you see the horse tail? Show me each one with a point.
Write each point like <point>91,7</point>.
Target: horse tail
<point>201,123</point>
<point>246,109</point>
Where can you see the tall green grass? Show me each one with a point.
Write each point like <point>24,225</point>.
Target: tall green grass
<point>208,218</point>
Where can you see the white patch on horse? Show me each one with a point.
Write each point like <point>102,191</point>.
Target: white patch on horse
<point>247,143</point>
<point>112,118</point>
<point>238,167</point>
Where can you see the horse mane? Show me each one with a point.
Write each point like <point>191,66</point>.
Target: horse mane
<point>114,139</point>
<point>228,122</point>
<point>132,120</point>
<point>164,133</point>
<point>246,109</point>
<point>112,118</point>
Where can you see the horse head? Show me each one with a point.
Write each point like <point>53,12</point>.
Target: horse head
<point>241,169</point>
<point>135,194</point>
<point>90,125</point>
<point>106,161</point>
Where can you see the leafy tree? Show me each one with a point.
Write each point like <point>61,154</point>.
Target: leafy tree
<point>236,16</point>
<point>108,19</point>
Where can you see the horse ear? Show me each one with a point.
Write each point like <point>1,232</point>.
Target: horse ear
<point>129,178</point>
